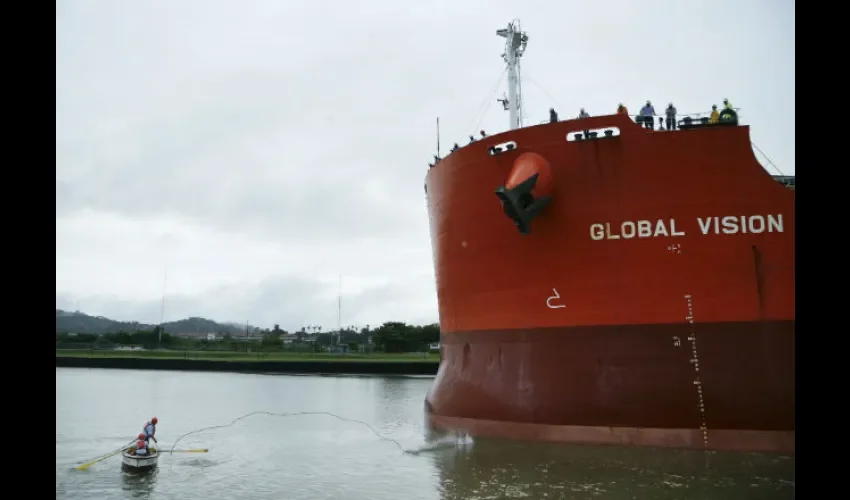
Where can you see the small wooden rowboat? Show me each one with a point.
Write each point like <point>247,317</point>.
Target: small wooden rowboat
<point>131,462</point>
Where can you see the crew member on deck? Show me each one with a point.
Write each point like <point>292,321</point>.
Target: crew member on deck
<point>584,114</point>
<point>150,430</point>
<point>553,116</point>
<point>728,115</point>
<point>622,110</point>
<point>671,116</point>
<point>141,445</point>
<point>715,115</point>
<point>647,114</point>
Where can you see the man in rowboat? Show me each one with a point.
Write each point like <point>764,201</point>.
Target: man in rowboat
<point>150,430</point>
<point>141,447</point>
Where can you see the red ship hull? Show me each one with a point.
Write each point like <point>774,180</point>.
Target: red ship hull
<point>651,303</point>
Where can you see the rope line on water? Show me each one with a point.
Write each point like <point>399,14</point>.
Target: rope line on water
<point>374,431</point>
<point>293,414</point>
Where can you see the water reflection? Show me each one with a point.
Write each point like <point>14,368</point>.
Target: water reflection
<point>398,388</point>
<point>498,469</point>
<point>395,397</point>
<point>138,485</point>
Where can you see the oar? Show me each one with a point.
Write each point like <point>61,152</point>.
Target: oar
<point>96,460</point>
<point>195,450</point>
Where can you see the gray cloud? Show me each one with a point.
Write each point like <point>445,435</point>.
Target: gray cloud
<point>239,161</point>
<point>291,301</point>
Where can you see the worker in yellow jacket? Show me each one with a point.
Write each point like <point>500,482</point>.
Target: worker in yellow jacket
<point>715,115</point>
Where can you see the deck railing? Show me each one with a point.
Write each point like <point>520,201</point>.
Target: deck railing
<point>683,120</point>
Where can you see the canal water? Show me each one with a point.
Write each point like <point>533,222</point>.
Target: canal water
<point>350,438</point>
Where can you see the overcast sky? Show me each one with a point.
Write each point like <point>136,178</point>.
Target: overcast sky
<point>259,149</point>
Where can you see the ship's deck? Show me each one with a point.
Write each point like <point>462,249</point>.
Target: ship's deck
<point>787,180</point>
<point>689,121</point>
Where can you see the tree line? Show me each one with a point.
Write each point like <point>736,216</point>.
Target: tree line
<point>391,337</point>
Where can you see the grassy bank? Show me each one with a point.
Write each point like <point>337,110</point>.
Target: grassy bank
<point>268,362</point>
<point>258,356</point>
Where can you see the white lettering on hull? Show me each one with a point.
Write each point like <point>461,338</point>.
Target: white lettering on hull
<point>729,224</point>
<point>734,224</point>
<point>551,301</point>
<point>634,229</point>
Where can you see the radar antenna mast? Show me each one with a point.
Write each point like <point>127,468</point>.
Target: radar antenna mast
<point>515,42</point>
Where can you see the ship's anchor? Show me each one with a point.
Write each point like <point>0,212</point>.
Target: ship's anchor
<point>554,297</point>
<point>521,205</point>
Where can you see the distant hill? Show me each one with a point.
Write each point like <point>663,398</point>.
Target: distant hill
<point>78,322</point>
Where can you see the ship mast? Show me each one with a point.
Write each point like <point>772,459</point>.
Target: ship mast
<point>515,42</point>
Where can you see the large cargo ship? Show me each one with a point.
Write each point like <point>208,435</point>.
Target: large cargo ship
<point>603,282</point>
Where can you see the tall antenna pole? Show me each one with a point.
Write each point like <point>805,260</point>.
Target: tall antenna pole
<point>515,42</point>
<point>438,137</point>
<point>339,310</point>
<point>162,307</point>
